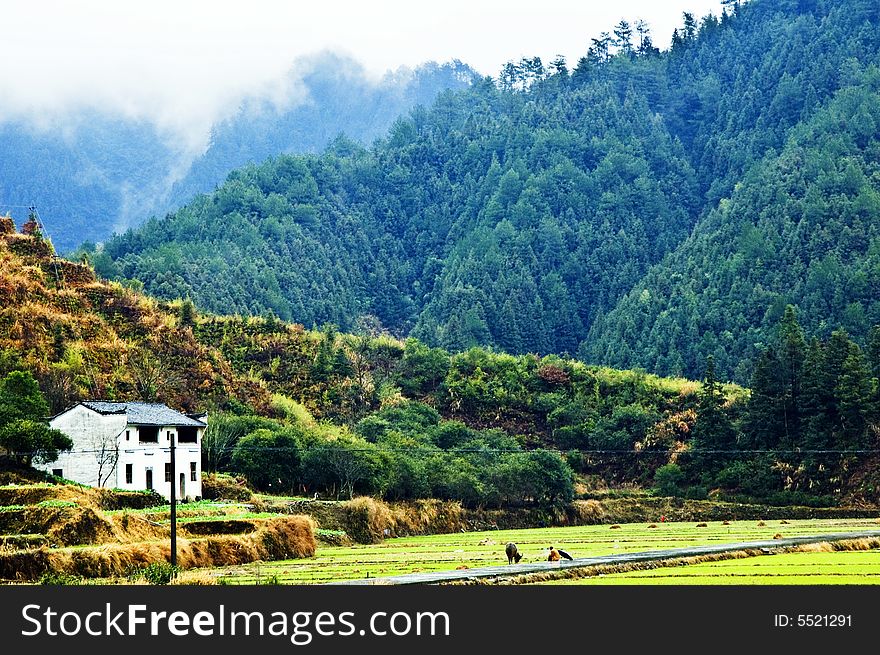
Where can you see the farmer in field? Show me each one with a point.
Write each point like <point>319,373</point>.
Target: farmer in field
<point>556,554</point>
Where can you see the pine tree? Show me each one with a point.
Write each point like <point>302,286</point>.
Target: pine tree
<point>816,429</point>
<point>764,424</point>
<point>714,434</point>
<point>623,32</point>
<point>873,351</point>
<point>853,396</point>
<point>791,361</point>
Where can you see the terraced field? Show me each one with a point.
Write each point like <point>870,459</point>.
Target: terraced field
<point>856,567</point>
<point>477,549</point>
<point>81,532</point>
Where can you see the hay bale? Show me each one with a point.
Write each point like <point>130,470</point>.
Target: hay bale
<point>702,525</point>
<point>615,527</point>
<point>777,536</point>
<point>365,519</point>
<point>220,486</point>
<point>725,523</point>
<point>761,524</point>
<point>587,512</point>
<point>22,541</point>
<point>119,499</point>
<point>653,525</point>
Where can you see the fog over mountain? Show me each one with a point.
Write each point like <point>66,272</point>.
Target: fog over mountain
<point>91,173</point>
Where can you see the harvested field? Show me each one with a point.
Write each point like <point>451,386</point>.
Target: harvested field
<point>81,531</point>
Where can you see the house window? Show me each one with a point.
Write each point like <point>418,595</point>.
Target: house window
<point>127,435</point>
<point>187,435</point>
<point>59,473</point>
<point>167,472</point>
<point>148,435</point>
<point>168,435</point>
<point>193,472</point>
<point>149,473</point>
<point>129,473</point>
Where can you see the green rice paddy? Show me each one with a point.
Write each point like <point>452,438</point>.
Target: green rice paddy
<point>478,549</point>
<point>838,568</point>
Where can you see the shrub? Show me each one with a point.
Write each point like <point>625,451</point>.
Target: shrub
<point>29,441</point>
<point>269,460</point>
<point>697,492</point>
<point>59,579</point>
<point>157,573</point>
<point>668,479</point>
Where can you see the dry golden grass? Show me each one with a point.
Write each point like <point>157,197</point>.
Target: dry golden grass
<point>283,538</point>
<point>196,577</point>
<point>587,512</point>
<point>367,520</point>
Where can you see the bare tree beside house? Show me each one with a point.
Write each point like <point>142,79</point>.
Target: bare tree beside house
<point>106,452</point>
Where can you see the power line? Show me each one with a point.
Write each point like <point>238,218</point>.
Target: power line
<point>436,449</point>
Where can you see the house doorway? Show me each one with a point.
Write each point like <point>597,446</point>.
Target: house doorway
<point>182,486</point>
<point>149,478</point>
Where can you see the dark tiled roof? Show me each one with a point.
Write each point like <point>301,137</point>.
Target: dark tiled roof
<point>145,413</point>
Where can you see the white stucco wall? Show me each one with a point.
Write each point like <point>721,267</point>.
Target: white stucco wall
<point>88,429</point>
<point>154,456</point>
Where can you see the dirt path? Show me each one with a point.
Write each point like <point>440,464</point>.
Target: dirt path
<point>607,560</point>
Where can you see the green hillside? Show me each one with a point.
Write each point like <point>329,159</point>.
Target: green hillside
<point>299,411</point>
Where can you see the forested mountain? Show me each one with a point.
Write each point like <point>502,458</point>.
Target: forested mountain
<point>91,174</point>
<point>338,97</point>
<point>89,177</point>
<point>802,226</point>
<point>644,208</point>
<point>399,420</point>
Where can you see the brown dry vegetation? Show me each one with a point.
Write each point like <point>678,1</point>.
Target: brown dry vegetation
<point>226,487</point>
<point>365,519</point>
<point>54,307</point>
<point>281,538</point>
<point>33,492</point>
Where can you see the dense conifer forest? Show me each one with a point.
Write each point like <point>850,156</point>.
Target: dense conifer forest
<point>637,208</point>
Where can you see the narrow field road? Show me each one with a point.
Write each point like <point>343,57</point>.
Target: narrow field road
<point>604,560</point>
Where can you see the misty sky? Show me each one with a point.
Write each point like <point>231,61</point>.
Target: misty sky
<point>183,63</point>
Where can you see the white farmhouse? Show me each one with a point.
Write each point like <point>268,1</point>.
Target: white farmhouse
<point>128,446</point>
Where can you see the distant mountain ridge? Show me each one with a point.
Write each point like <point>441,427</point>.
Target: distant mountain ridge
<point>96,173</point>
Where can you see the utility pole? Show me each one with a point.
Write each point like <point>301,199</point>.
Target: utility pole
<point>173,504</point>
